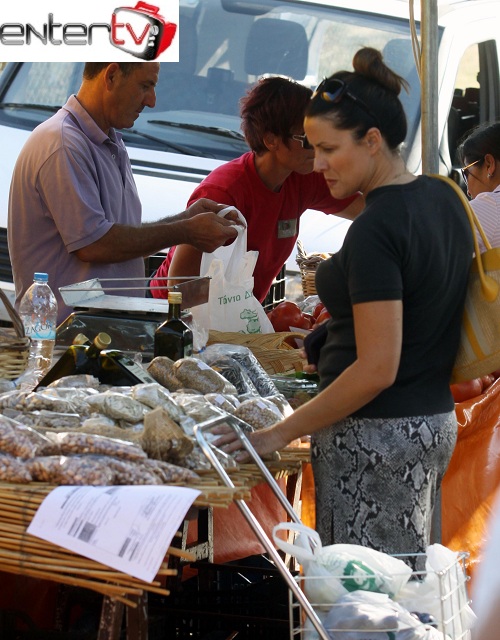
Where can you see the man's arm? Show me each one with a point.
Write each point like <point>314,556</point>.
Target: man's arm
<point>198,226</point>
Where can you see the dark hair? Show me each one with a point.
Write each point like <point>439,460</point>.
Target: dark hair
<point>274,105</point>
<point>93,69</point>
<point>483,139</point>
<point>378,88</point>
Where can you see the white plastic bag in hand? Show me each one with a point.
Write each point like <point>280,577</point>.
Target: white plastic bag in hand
<point>231,304</point>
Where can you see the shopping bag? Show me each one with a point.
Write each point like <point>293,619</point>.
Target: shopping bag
<point>231,304</point>
<point>479,349</point>
<point>335,570</point>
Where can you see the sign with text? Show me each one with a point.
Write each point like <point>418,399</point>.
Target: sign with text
<point>128,528</point>
<point>89,32</point>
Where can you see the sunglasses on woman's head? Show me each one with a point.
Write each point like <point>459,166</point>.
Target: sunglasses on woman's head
<point>334,90</point>
<point>465,170</point>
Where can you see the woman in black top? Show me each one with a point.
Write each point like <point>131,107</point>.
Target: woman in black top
<point>383,426</point>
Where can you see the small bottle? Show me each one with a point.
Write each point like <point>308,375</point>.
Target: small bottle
<point>38,312</point>
<point>82,357</point>
<point>174,338</point>
<point>119,370</point>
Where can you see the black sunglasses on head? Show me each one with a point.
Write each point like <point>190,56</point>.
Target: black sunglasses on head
<point>335,90</point>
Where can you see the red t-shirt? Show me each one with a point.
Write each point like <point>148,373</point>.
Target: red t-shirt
<point>272,218</point>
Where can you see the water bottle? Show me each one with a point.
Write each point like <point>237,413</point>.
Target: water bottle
<point>38,312</point>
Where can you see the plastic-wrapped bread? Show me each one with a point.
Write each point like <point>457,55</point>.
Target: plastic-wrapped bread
<point>196,374</point>
<point>161,369</point>
<point>224,401</point>
<point>163,438</point>
<point>84,381</point>
<point>117,406</point>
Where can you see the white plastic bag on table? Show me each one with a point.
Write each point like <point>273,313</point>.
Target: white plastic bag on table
<point>335,570</point>
<point>231,304</point>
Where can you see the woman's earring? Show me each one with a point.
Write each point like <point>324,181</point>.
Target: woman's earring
<point>489,175</point>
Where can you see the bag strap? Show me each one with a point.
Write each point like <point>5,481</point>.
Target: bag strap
<point>304,545</point>
<point>489,286</point>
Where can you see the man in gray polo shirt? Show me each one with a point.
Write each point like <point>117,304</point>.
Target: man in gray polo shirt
<point>74,210</point>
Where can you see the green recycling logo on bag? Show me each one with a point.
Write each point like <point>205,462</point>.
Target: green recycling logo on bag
<point>361,577</point>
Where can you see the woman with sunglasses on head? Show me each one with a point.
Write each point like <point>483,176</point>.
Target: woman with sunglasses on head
<point>479,153</point>
<point>383,425</point>
<point>272,185</point>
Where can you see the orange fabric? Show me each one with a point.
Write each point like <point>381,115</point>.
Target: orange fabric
<point>233,537</point>
<point>471,480</point>
<point>473,475</point>
<point>308,496</point>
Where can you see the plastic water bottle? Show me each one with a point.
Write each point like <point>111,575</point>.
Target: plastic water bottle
<point>38,312</point>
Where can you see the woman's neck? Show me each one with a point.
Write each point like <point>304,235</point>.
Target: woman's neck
<point>271,174</point>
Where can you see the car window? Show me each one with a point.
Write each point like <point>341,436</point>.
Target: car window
<point>225,47</point>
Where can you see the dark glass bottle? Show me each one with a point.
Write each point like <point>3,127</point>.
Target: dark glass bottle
<point>80,358</point>
<point>118,369</point>
<point>174,338</point>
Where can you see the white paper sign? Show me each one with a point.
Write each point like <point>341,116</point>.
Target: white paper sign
<point>128,528</point>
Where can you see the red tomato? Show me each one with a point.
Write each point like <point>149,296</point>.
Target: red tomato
<point>318,309</point>
<point>285,315</point>
<point>322,316</point>
<point>309,320</point>
<point>462,391</point>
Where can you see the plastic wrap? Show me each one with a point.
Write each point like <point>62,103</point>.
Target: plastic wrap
<point>13,470</point>
<point>21,441</point>
<point>230,368</point>
<point>473,475</point>
<point>71,470</point>
<point>259,413</point>
<point>75,443</point>
<point>197,374</point>
<point>118,406</point>
<point>260,379</point>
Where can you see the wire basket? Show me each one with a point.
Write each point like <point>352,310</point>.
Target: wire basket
<point>447,600</point>
<point>14,345</point>
<point>308,263</point>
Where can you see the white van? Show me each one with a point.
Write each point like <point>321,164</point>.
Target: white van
<point>225,46</point>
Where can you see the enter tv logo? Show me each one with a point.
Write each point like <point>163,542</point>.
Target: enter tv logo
<point>141,31</point>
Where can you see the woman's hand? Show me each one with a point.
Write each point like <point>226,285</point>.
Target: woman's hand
<point>264,441</point>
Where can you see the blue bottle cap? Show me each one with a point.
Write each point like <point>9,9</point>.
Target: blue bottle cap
<point>42,277</point>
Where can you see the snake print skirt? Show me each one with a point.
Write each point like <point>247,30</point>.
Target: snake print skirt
<point>376,479</point>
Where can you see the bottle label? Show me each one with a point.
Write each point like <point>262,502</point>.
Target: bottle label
<point>41,330</point>
<point>136,370</point>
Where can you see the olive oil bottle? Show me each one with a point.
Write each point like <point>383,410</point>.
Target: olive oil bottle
<point>120,370</point>
<point>82,357</point>
<point>173,338</point>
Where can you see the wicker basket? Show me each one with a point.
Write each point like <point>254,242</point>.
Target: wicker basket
<point>276,352</point>
<point>308,263</point>
<point>14,346</point>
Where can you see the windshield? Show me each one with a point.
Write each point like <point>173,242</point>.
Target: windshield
<point>225,46</point>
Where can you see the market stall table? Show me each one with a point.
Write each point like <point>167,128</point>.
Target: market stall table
<point>24,555</point>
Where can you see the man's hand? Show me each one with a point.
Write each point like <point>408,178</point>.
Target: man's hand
<point>204,205</point>
<point>208,231</point>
